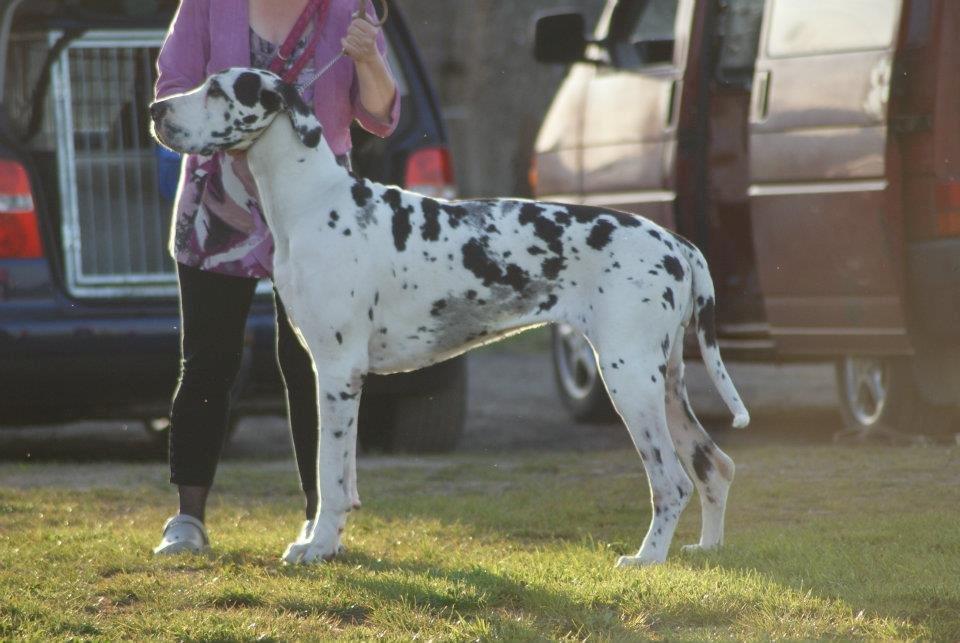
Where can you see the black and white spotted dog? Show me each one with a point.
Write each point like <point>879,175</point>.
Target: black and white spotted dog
<point>381,280</point>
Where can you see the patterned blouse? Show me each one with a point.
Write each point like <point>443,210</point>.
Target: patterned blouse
<point>227,233</point>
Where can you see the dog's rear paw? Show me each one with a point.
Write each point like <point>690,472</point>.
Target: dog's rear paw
<point>294,553</point>
<point>697,548</point>
<point>309,554</point>
<point>635,561</point>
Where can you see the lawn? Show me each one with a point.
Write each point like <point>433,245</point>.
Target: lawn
<point>823,541</point>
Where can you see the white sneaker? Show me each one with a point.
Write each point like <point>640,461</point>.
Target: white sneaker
<point>183,534</point>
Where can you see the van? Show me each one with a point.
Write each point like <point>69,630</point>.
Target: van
<point>88,308</point>
<point>811,149</point>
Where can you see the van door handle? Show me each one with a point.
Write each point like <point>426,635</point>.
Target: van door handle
<point>671,104</point>
<point>761,92</point>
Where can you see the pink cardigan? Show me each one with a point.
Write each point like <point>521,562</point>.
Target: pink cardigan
<point>208,36</point>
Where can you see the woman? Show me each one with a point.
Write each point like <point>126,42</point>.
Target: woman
<point>219,238</point>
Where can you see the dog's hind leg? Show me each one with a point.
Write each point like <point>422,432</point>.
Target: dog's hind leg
<point>635,385</point>
<point>711,469</point>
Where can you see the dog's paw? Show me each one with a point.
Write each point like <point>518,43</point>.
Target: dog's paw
<point>294,553</point>
<point>300,552</point>
<point>635,561</point>
<point>697,548</point>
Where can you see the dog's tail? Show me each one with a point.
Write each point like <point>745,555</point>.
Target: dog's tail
<point>704,302</point>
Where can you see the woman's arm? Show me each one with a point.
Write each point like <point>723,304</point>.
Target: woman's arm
<point>376,100</point>
<point>182,63</point>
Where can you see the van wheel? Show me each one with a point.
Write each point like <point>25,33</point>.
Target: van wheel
<point>879,398</point>
<point>427,422</point>
<point>578,379</point>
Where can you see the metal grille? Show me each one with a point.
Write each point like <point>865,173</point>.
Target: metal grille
<point>115,222</point>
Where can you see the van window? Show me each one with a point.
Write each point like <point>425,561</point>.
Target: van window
<point>642,33</point>
<point>807,27</point>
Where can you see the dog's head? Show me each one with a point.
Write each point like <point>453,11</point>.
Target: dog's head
<point>229,111</point>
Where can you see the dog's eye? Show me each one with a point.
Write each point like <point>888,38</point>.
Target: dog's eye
<point>214,91</point>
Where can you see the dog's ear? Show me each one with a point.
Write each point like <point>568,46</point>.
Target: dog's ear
<point>305,123</point>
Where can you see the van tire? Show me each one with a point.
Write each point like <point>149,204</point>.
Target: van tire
<point>879,398</point>
<point>578,378</point>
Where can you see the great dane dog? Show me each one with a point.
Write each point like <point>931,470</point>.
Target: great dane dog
<point>380,280</point>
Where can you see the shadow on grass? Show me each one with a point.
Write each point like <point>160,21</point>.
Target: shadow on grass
<point>511,608</point>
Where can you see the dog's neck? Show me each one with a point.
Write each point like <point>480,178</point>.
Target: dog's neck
<point>279,158</point>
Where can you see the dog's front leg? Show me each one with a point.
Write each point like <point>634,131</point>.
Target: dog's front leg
<point>339,403</point>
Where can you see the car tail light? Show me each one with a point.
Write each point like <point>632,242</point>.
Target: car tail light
<point>533,176</point>
<point>19,232</point>
<point>948,208</point>
<point>430,172</point>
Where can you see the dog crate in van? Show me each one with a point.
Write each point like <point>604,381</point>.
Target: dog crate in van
<point>114,206</point>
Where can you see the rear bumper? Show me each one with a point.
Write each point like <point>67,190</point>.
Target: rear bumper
<point>934,286</point>
<point>56,366</point>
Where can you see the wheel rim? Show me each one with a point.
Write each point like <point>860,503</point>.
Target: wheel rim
<point>576,362</point>
<point>867,388</point>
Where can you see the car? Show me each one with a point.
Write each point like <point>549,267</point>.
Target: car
<point>810,149</point>
<point>89,324</point>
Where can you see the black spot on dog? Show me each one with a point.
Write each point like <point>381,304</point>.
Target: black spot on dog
<point>663,369</point>
<point>401,218</point>
<point>536,250</point>
<point>551,267</point>
<point>246,88</point>
<point>348,396</point>
<point>338,435</point>
<point>361,193</point>
<point>471,294</point>
<point>544,228</point>
<point>339,338</point>
<point>438,307</point>
<point>665,344</point>
<point>706,322</point>
<point>657,455</point>
<point>548,304</point>
<point>331,398</point>
<point>673,267</point>
<point>668,297</point>
<point>655,234</point>
<point>370,313</point>
<point>430,230</point>
<point>455,214</point>
<point>249,119</point>
<point>701,461</point>
<point>600,234</point>
<point>476,260</point>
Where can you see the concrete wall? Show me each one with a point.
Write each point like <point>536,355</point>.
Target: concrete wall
<point>493,94</point>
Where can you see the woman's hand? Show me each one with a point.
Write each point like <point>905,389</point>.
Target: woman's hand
<point>361,42</point>
<point>377,88</point>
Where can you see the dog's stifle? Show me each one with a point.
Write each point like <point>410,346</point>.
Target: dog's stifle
<point>378,279</point>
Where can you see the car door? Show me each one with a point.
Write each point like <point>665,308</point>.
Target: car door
<point>823,192</point>
<point>631,107</point>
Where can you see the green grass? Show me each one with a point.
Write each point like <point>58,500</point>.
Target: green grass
<point>823,542</point>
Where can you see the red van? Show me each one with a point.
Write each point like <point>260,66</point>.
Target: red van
<point>811,149</point>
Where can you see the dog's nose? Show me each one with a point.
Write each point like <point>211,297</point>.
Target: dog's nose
<point>157,110</point>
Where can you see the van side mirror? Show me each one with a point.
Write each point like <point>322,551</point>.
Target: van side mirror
<point>654,52</point>
<point>560,38</point>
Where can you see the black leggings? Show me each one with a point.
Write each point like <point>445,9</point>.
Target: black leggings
<point>213,313</point>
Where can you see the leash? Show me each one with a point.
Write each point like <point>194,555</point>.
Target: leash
<point>362,14</point>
